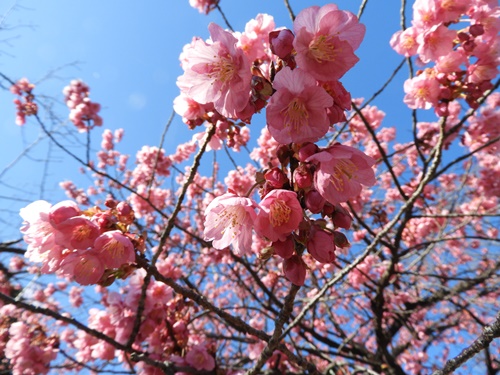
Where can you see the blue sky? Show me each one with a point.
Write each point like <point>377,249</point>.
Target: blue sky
<point>127,52</point>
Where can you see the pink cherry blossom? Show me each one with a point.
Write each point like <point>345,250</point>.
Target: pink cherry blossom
<point>254,41</point>
<point>217,72</point>
<point>229,220</point>
<point>341,171</point>
<point>325,41</point>
<point>86,267</point>
<point>77,232</point>
<point>114,248</point>
<point>405,42</point>
<point>280,214</point>
<point>421,91</point>
<point>63,211</point>
<point>435,42</point>
<point>297,112</point>
<point>199,358</point>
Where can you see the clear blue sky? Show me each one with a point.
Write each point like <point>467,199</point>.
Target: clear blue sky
<point>127,51</point>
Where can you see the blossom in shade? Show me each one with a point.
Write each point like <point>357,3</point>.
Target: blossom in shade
<point>284,249</point>
<point>325,41</point>
<point>280,214</point>
<point>229,220</point>
<point>321,245</point>
<point>295,270</point>
<point>341,171</point>
<point>217,72</point>
<point>114,248</point>
<point>199,358</point>
<point>297,111</point>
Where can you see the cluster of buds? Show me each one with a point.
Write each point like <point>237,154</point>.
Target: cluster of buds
<point>25,105</point>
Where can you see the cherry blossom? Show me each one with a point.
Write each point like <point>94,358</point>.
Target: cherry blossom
<point>297,110</point>
<point>217,72</point>
<point>229,220</point>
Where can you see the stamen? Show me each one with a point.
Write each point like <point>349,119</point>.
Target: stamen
<point>280,213</point>
<point>322,49</point>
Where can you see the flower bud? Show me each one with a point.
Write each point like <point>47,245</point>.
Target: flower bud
<point>276,178</point>
<point>281,43</point>
<point>302,177</point>
<point>314,201</point>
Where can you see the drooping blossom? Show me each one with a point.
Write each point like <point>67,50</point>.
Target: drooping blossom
<point>86,267</point>
<point>341,172</point>
<point>199,358</point>
<point>284,249</point>
<point>297,112</point>
<point>321,245</point>
<point>114,248</point>
<point>229,219</point>
<point>325,41</point>
<point>295,270</point>
<point>217,72</point>
<point>280,214</point>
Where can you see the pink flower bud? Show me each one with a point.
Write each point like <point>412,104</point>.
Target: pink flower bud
<point>314,201</point>
<point>281,42</point>
<point>276,178</point>
<point>321,245</point>
<point>295,270</point>
<point>476,30</point>
<point>307,149</point>
<point>303,177</point>
<point>341,217</point>
<point>340,239</point>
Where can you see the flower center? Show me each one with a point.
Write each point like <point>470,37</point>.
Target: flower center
<point>81,232</point>
<point>114,248</point>
<point>343,168</point>
<point>323,49</point>
<point>295,114</point>
<point>280,213</point>
<point>230,218</point>
<point>223,70</point>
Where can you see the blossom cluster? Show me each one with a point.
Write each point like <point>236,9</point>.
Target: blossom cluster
<point>27,345</point>
<point>91,246</point>
<point>465,60</point>
<point>25,105</point>
<point>298,75</point>
<point>83,111</point>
